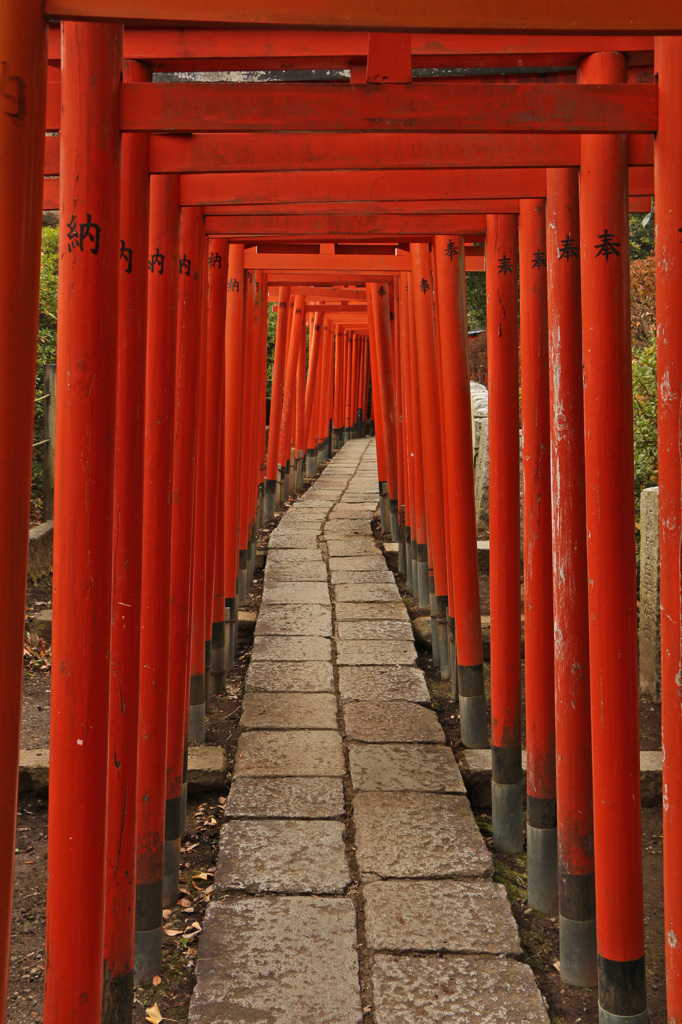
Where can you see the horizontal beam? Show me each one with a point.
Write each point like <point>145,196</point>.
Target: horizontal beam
<point>529,16</point>
<point>343,263</point>
<point>380,186</point>
<point>423,106</point>
<point>323,227</point>
<point>249,152</point>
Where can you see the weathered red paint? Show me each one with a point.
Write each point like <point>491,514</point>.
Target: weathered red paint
<point>234,362</point>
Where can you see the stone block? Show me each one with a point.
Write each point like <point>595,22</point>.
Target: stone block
<point>296,593</point>
<point>371,721</point>
<point>346,527</point>
<point>391,547</point>
<point>293,538</point>
<point>260,962</point>
<point>471,916</point>
<point>422,631</point>
<point>289,677</point>
<point>291,648</point>
<point>40,550</point>
<point>341,576</point>
<point>649,595</point>
<point>289,753</point>
<point>354,592</point>
<point>206,768</point>
<point>294,556</point>
<point>361,611</point>
<point>359,563</point>
<point>375,652</point>
<point>294,620</point>
<point>306,572</point>
<point>418,835</point>
<point>382,683</point>
<point>285,798</point>
<point>289,711</point>
<point>282,856</point>
<point>34,770</point>
<point>41,623</point>
<point>386,767</point>
<point>455,990</point>
<point>352,547</point>
<point>481,481</point>
<point>378,630</point>
<point>650,778</point>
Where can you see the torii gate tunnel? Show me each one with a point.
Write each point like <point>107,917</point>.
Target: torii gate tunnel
<point>355,206</point>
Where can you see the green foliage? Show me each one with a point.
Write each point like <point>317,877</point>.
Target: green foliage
<point>47,352</point>
<point>645,408</point>
<point>270,357</point>
<point>642,236</point>
<point>476,300</point>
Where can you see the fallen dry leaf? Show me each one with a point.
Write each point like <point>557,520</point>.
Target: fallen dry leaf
<point>184,902</point>
<point>172,932</point>
<point>156,980</point>
<point>153,1014</point>
<point>167,914</point>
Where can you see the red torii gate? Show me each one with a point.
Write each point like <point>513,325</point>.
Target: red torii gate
<point>668,472</point>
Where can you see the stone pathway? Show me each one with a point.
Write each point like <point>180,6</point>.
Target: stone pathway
<point>352,885</point>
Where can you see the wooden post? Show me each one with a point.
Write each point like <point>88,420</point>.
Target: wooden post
<point>92,60</point>
<point>612,597</point>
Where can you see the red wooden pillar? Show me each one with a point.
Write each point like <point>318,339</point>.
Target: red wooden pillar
<point>668,175</point>
<point>250,343</point>
<point>119,930</point>
<point>612,597</point>
<point>505,554</point>
<point>408,453</point>
<point>324,417</point>
<point>234,361</point>
<point>454,370</point>
<point>23,53</point>
<point>420,554</point>
<point>276,390</point>
<point>156,552</point>
<point>258,370</point>
<point>541,831</point>
<point>577,926</point>
<point>296,329</point>
<point>299,424</point>
<point>429,403</point>
<point>183,497</point>
<point>312,394</point>
<point>92,58</point>
<point>384,382</point>
<point>339,353</point>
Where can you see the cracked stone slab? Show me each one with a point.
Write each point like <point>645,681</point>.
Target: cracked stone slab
<point>276,974</point>
<point>291,648</point>
<point>295,556</point>
<point>382,683</point>
<point>285,798</point>
<point>368,592</point>
<point>371,721</point>
<point>380,630</point>
<point>352,547</point>
<point>347,528</point>
<point>294,620</point>
<point>358,563</point>
<point>307,572</point>
<point>455,990</point>
<point>289,677</point>
<point>289,752</point>
<point>418,835</point>
<point>360,611</point>
<point>296,593</point>
<point>404,766</point>
<point>341,576</point>
<point>444,916</point>
<point>348,512</point>
<point>289,711</point>
<point>376,652</point>
<point>294,857</point>
<point>293,539</point>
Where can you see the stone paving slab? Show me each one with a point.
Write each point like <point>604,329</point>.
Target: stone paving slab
<point>404,766</point>
<point>289,677</point>
<point>380,630</point>
<point>376,652</point>
<point>377,721</point>
<point>289,711</point>
<point>382,683</point>
<point>359,563</point>
<point>294,857</point>
<point>285,798</point>
<point>260,962</point>
<point>418,835</point>
<point>352,546</point>
<point>354,592</point>
<point>362,611</point>
<point>296,593</point>
<point>347,528</point>
<point>293,539</point>
<point>294,620</point>
<point>341,576</point>
<point>289,752</point>
<point>294,556</point>
<point>455,990</point>
<point>347,512</point>
<point>445,916</point>
<point>305,572</point>
<point>291,648</point>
